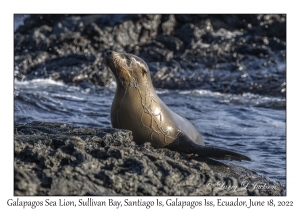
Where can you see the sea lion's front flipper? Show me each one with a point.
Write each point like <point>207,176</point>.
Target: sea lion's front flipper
<point>183,143</point>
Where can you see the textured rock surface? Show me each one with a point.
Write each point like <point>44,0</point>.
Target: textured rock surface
<point>225,53</point>
<point>56,159</point>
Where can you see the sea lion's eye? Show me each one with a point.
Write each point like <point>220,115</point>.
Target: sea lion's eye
<point>144,71</point>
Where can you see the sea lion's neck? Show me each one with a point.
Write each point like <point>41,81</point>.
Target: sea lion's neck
<point>141,95</point>
<point>142,89</point>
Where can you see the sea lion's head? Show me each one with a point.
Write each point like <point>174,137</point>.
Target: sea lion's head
<point>129,70</point>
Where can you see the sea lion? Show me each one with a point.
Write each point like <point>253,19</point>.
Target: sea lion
<point>137,107</point>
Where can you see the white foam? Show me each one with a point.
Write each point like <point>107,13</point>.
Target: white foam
<point>38,82</point>
<point>112,85</point>
<point>66,96</point>
<point>162,91</point>
<point>245,98</point>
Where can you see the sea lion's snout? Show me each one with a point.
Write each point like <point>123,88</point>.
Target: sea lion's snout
<point>107,53</point>
<point>108,56</point>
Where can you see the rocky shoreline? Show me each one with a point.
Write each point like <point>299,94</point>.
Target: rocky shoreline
<point>57,159</point>
<point>224,53</point>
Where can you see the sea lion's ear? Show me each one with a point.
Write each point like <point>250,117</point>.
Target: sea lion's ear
<point>144,72</point>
